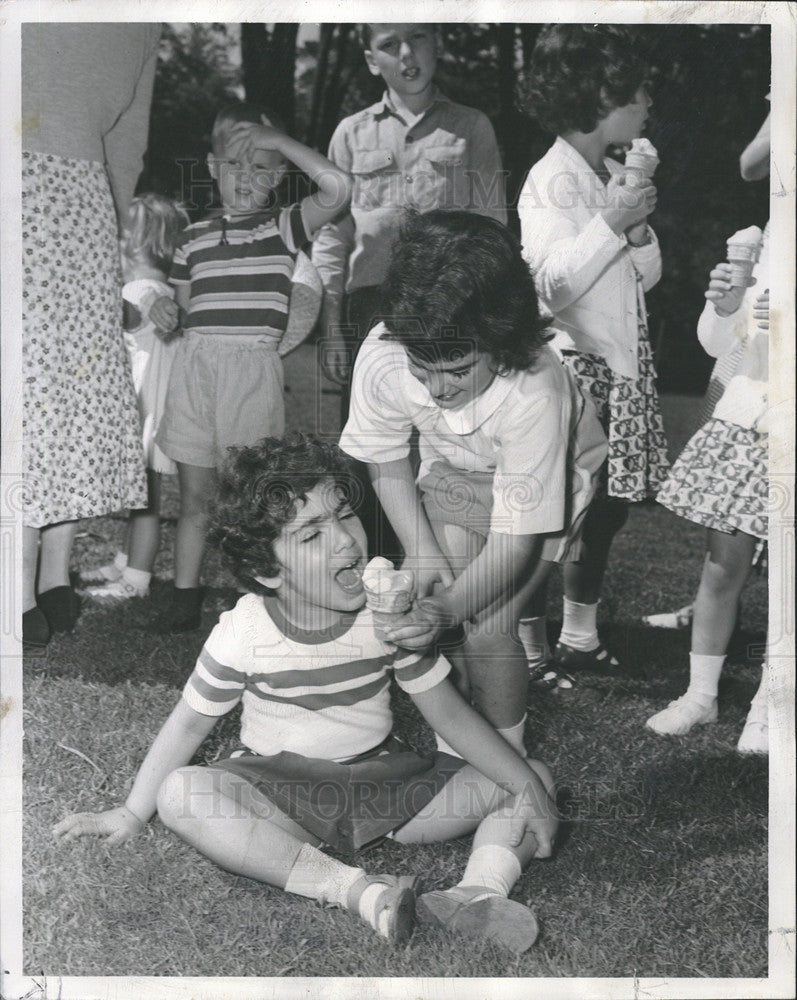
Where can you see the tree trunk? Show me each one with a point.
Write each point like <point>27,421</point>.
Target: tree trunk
<point>269,66</point>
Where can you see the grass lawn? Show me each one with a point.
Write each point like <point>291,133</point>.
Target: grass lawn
<point>662,865</point>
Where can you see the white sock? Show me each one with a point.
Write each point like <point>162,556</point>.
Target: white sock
<point>317,876</point>
<point>514,736</point>
<point>534,638</point>
<point>120,560</point>
<point>579,625</point>
<point>138,577</point>
<point>493,866</point>
<point>704,676</point>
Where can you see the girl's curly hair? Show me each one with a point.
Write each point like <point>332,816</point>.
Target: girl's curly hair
<point>257,496</point>
<point>579,72</point>
<point>457,282</point>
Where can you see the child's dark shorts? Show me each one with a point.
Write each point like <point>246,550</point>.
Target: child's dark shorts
<point>350,805</point>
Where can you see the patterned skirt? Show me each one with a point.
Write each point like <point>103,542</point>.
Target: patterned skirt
<point>82,452</point>
<point>720,480</point>
<point>629,412</point>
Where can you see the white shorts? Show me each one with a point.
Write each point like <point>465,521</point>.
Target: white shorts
<point>223,392</point>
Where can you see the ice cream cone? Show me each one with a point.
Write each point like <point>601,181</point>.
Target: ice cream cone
<point>743,249</point>
<point>641,160</point>
<point>389,592</point>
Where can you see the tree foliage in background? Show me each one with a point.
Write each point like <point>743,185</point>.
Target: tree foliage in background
<point>709,87</point>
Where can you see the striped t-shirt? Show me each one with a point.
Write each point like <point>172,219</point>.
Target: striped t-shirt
<point>239,269</point>
<point>319,694</point>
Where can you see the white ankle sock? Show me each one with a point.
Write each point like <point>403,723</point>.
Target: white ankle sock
<point>138,577</point>
<point>493,866</point>
<point>579,625</point>
<point>317,876</point>
<point>514,736</point>
<point>534,638</point>
<point>120,560</point>
<point>704,676</point>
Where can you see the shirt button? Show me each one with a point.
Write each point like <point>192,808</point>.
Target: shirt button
<point>409,138</point>
<point>408,178</point>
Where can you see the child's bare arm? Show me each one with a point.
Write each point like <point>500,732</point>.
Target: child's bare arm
<point>476,740</point>
<point>493,573</point>
<point>394,485</point>
<point>180,737</point>
<point>334,185</point>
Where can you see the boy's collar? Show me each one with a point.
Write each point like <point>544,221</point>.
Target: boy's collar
<point>309,637</point>
<point>386,105</point>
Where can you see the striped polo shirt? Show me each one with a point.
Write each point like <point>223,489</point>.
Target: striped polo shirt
<point>239,270</point>
<point>319,694</point>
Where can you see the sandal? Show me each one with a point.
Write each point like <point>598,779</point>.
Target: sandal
<point>596,661</point>
<point>548,675</point>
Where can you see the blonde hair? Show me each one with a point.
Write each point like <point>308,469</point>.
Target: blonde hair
<point>232,115</point>
<point>154,225</point>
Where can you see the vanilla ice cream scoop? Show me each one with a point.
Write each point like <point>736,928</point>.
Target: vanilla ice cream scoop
<point>642,158</point>
<point>387,590</point>
<point>743,250</point>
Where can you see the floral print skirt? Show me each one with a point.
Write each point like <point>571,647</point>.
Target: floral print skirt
<point>720,480</point>
<point>82,451</point>
<point>629,412</point>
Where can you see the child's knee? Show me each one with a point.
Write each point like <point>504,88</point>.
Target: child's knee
<point>174,797</point>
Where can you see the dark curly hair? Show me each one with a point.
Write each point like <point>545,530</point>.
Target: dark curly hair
<point>457,282</point>
<point>579,72</point>
<point>257,496</point>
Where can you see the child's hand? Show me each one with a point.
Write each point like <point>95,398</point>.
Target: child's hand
<point>246,137</point>
<point>527,819</point>
<point>165,314</point>
<point>430,573</point>
<point>726,297</point>
<point>115,825</point>
<point>422,625</point>
<point>761,310</point>
<point>335,358</point>
<point>627,204</point>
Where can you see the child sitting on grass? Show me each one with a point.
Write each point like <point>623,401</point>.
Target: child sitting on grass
<point>318,764</point>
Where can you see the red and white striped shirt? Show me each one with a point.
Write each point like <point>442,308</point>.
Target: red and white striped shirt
<point>319,694</point>
<point>239,270</point>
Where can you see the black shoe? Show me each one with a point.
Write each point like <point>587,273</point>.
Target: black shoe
<point>61,607</point>
<point>183,613</point>
<point>35,629</point>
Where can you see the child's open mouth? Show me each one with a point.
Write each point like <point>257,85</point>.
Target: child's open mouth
<point>410,74</point>
<point>350,578</point>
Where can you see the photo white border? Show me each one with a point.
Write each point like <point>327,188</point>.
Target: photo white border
<point>781,981</point>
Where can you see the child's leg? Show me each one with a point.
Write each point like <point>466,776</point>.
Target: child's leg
<point>142,540</point>
<point>492,656</point>
<point>579,646</point>
<point>145,528</point>
<point>725,570</point>
<point>478,905</point>
<point>228,821</point>
<point>196,489</point>
<point>755,735</point>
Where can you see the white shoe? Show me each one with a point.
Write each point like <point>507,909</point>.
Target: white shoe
<point>681,618</point>
<point>117,590</point>
<point>101,574</point>
<point>755,735</point>
<point>681,715</point>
